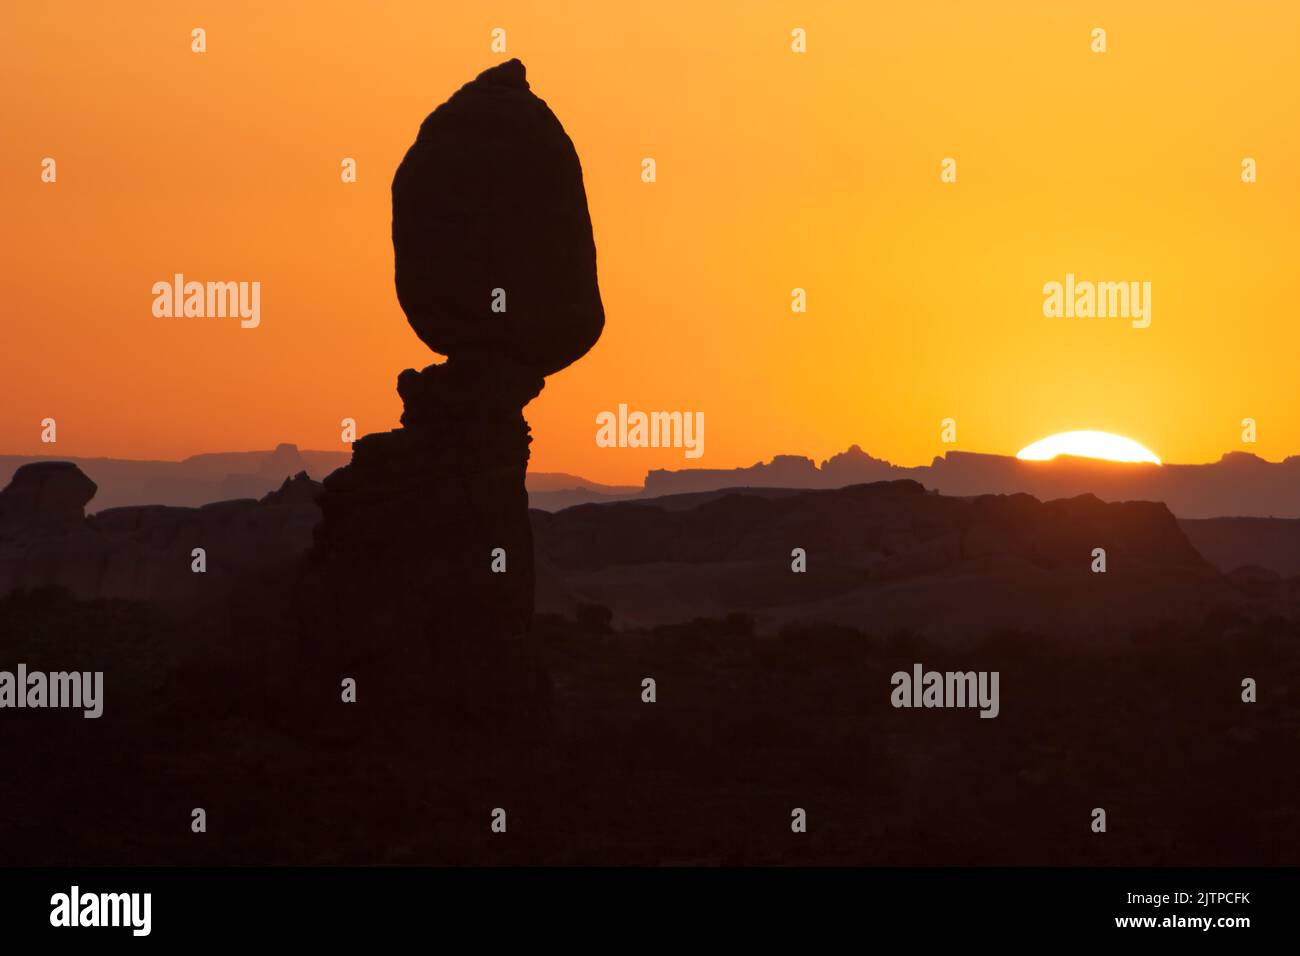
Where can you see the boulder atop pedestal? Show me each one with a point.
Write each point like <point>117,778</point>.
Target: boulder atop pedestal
<point>491,233</point>
<point>425,547</point>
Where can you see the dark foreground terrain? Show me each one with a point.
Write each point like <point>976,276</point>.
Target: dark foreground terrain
<point>230,710</point>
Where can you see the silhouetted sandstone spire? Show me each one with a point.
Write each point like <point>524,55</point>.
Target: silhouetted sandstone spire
<point>496,268</point>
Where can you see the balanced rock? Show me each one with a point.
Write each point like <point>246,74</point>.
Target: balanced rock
<point>490,197</point>
<point>425,547</point>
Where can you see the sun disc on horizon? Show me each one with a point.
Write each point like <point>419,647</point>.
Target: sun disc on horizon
<point>1088,444</point>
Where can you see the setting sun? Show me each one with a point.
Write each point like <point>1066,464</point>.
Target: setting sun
<point>1088,444</point>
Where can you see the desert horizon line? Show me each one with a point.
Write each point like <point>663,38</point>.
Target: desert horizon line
<point>696,465</point>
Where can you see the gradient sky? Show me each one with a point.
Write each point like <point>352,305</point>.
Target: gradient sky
<point>776,170</point>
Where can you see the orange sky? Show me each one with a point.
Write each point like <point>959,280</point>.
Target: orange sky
<point>776,170</point>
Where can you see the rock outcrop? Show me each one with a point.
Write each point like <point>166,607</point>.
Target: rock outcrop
<point>425,547</point>
<point>1238,484</point>
<point>47,493</point>
<point>880,557</point>
<point>145,553</point>
<point>197,480</point>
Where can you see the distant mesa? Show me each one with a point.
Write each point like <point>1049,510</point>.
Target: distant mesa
<point>284,460</point>
<point>1239,484</point>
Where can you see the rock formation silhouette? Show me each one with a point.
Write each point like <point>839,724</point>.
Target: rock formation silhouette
<point>1237,485</point>
<point>47,493</point>
<point>889,556</point>
<point>144,553</point>
<point>495,268</point>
